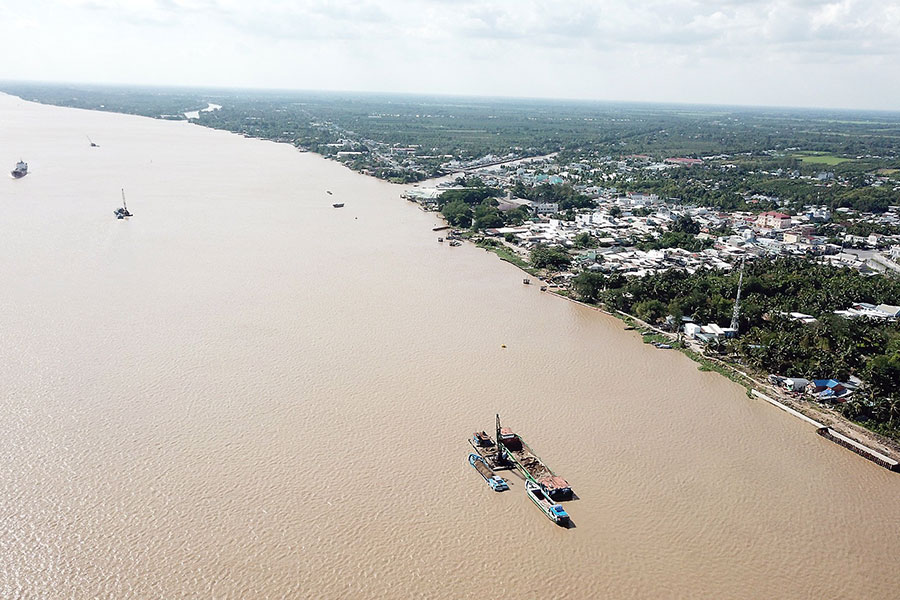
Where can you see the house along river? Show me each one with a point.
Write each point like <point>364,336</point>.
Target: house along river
<point>242,392</point>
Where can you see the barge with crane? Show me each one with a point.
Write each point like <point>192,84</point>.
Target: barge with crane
<point>512,451</point>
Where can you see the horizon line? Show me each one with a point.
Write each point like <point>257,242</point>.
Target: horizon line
<point>221,88</point>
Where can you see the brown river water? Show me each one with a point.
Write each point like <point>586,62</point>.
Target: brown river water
<point>243,392</point>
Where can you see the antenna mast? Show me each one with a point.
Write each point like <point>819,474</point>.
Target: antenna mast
<point>736,315</point>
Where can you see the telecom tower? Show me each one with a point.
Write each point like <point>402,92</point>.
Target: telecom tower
<point>736,315</point>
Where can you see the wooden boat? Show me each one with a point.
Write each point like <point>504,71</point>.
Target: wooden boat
<point>338,205</point>
<point>497,483</point>
<point>554,512</point>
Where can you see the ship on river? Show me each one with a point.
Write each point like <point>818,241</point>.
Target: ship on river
<point>21,169</point>
<point>511,451</point>
<point>532,467</point>
<point>555,512</point>
<point>497,483</point>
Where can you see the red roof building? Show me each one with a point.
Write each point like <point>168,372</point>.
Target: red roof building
<point>773,220</point>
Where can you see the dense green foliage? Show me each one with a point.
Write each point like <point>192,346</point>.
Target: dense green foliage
<point>562,194</point>
<point>675,239</point>
<point>730,184</point>
<point>457,213</point>
<point>681,234</point>
<point>471,196</point>
<point>551,258</point>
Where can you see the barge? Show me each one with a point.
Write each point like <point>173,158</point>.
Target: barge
<point>533,468</point>
<point>497,483</point>
<point>488,450</point>
<point>555,512</point>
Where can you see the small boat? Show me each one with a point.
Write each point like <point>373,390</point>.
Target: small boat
<point>663,346</point>
<point>328,192</point>
<point>440,240</point>
<point>526,281</point>
<point>21,170</point>
<point>629,328</point>
<point>121,213</point>
<point>93,145</point>
<point>543,288</point>
<point>555,512</point>
<point>455,243</point>
<point>338,205</point>
<point>497,483</point>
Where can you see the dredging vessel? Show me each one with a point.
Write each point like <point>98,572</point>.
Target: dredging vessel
<point>511,451</point>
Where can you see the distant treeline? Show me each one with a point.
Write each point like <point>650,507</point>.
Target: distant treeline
<point>473,127</point>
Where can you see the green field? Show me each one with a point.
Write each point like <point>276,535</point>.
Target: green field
<point>823,159</point>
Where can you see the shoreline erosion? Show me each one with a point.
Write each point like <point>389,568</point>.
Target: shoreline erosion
<point>753,384</point>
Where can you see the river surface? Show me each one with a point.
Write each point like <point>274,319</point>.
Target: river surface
<point>243,392</point>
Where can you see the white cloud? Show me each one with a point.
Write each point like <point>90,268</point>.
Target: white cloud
<point>838,52</point>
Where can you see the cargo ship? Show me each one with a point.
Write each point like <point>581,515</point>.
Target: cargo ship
<point>21,169</point>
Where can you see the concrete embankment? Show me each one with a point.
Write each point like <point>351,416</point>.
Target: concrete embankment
<point>874,456</point>
<point>834,436</point>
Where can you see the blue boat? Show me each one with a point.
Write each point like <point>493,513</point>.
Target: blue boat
<point>555,512</point>
<point>497,483</point>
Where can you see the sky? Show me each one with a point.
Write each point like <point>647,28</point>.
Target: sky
<point>810,53</point>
